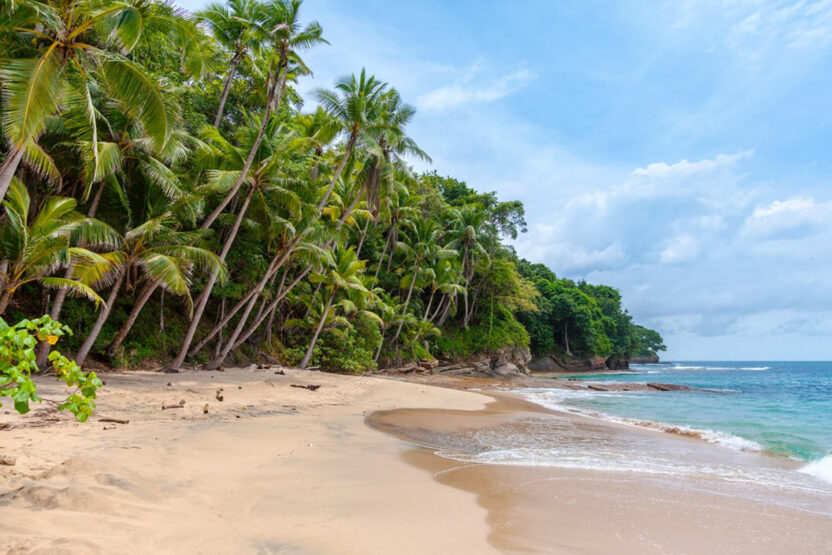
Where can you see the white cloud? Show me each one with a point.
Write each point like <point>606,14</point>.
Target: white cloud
<point>466,92</point>
<point>684,168</point>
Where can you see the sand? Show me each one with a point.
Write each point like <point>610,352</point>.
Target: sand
<point>270,469</point>
<point>277,469</point>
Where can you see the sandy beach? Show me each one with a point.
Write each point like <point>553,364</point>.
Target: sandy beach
<point>279,469</point>
<point>270,469</point>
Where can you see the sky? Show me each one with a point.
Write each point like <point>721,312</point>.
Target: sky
<point>677,150</point>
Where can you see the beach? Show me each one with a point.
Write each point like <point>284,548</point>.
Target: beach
<point>352,468</point>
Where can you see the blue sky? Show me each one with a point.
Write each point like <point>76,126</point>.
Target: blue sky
<point>679,151</point>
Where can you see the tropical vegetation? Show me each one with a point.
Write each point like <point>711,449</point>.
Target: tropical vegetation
<point>170,195</point>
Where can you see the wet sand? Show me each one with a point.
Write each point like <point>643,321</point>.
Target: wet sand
<point>534,509</point>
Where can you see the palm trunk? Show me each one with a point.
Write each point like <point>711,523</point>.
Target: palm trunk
<point>363,236</point>
<point>272,307</point>
<point>95,201</point>
<point>380,345</point>
<point>308,356</point>
<point>235,61</point>
<point>406,303</point>
<point>202,300</point>
<point>566,338</point>
<point>350,145</point>
<point>218,346</point>
<point>102,318</point>
<point>141,300</point>
<point>438,310</point>
<point>58,303</point>
<point>430,302</point>
<point>214,364</point>
<point>9,168</point>
<point>272,97</point>
<point>383,252</point>
<point>4,300</point>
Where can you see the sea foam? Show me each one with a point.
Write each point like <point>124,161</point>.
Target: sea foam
<point>821,468</point>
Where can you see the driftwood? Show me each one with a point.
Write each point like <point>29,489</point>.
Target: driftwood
<point>309,387</point>
<point>280,373</point>
<point>179,405</point>
<point>114,420</point>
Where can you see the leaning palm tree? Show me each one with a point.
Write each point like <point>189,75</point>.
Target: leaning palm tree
<point>236,25</point>
<point>345,274</point>
<point>60,56</point>
<point>353,106</point>
<point>281,24</point>
<point>36,249</point>
<point>154,251</point>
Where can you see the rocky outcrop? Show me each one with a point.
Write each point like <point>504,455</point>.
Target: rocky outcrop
<point>618,363</point>
<point>652,359</point>
<point>507,363</point>
<point>556,363</point>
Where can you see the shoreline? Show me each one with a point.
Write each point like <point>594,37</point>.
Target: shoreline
<point>276,468</point>
<point>628,512</point>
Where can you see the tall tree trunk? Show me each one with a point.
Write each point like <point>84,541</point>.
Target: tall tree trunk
<point>430,302</point>
<point>138,305</point>
<point>229,345</point>
<point>308,356</point>
<point>406,303</point>
<point>202,300</point>
<point>383,252</point>
<point>8,168</point>
<point>276,85</point>
<point>566,338</point>
<point>380,345</point>
<point>162,312</point>
<point>363,236</point>
<point>81,356</point>
<point>338,171</point>
<point>60,297</point>
<point>4,300</point>
<point>235,61</point>
<point>221,315</point>
<point>272,307</point>
<point>275,266</point>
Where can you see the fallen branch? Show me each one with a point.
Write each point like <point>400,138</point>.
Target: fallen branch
<point>309,387</point>
<point>179,405</point>
<point>114,420</point>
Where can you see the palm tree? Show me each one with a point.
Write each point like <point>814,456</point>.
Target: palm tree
<point>236,25</point>
<point>353,105</point>
<point>465,235</point>
<point>35,249</point>
<point>421,245</point>
<point>344,274</point>
<point>161,254</point>
<point>64,60</point>
<point>390,313</point>
<point>280,22</point>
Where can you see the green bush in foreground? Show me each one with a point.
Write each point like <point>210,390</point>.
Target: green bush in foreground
<point>17,362</point>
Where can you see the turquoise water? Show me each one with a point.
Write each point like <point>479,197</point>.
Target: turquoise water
<point>780,407</point>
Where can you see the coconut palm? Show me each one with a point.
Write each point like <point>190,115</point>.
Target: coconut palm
<point>421,245</point>
<point>35,249</point>
<point>60,57</point>
<point>236,25</point>
<point>153,251</point>
<point>344,274</point>
<point>467,235</point>
<point>281,25</point>
<point>353,105</point>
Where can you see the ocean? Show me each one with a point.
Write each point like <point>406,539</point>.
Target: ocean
<point>770,423</point>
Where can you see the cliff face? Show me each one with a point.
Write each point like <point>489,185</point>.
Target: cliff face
<point>506,363</point>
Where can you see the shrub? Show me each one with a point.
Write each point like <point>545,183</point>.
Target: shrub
<point>17,362</point>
